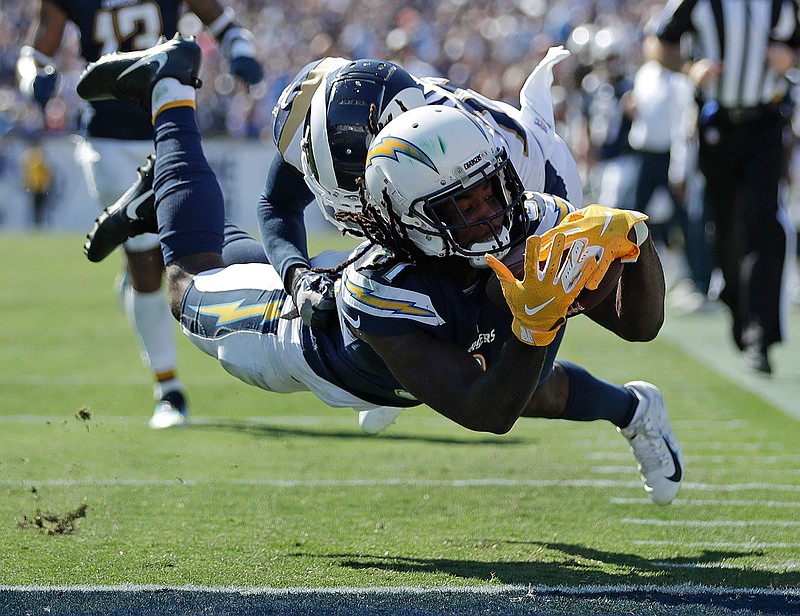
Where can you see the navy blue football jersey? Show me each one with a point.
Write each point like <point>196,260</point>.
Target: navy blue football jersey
<point>383,298</point>
<point>393,300</point>
<point>120,25</point>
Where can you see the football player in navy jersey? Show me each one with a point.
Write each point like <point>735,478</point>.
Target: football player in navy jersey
<point>118,136</point>
<point>321,130</point>
<point>442,201</point>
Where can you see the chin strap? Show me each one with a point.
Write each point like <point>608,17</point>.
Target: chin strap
<point>478,259</point>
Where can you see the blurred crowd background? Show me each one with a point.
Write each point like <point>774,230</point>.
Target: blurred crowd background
<point>488,45</point>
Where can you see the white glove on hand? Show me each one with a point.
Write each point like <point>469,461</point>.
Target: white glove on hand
<point>238,45</point>
<point>314,298</point>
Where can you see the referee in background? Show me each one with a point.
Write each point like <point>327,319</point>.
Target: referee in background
<point>739,52</point>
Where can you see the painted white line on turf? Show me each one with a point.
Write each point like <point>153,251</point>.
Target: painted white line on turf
<point>746,545</point>
<point>758,446</point>
<point>272,420</point>
<point>709,502</point>
<point>583,589</point>
<point>711,523</point>
<point>335,483</point>
<point>59,380</point>
<point>705,458</point>
<point>780,472</point>
<point>254,421</point>
<point>338,483</point>
<point>775,567</point>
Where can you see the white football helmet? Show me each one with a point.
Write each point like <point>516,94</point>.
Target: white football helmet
<point>337,132</point>
<point>421,162</point>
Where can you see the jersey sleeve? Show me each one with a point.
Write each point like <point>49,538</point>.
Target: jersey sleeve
<point>545,211</point>
<point>673,21</point>
<point>524,150</point>
<point>281,221</point>
<point>387,301</point>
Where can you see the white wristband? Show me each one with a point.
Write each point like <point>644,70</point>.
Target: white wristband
<point>218,26</point>
<point>238,42</point>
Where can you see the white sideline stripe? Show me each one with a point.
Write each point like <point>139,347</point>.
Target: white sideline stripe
<point>706,338</point>
<point>677,589</point>
<point>708,502</point>
<point>776,567</point>
<point>207,420</point>
<point>44,380</point>
<point>302,483</point>
<point>616,470</point>
<point>255,421</point>
<point>311,483</point>
<point>711,523</point>
<point>705,458</point>
<point>748,545</point>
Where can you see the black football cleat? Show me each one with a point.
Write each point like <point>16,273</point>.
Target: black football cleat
<point>132,214</point>
<point>130,76</point>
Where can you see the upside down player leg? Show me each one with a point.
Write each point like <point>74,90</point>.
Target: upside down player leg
<point>219,308</point>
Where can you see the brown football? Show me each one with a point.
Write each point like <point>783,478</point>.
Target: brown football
<point>586,300</point>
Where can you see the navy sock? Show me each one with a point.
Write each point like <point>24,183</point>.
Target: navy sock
<point>191,208</point>
<point>591,398</point>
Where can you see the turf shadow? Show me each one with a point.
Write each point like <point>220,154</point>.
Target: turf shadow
<point>578,565</point>
<point>271,431</point>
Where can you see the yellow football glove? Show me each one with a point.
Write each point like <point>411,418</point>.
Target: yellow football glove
<point>605,228</point>
<point>540,300</point>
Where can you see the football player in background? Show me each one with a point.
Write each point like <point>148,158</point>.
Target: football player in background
<point>118,136</point>
<point>416,322</point>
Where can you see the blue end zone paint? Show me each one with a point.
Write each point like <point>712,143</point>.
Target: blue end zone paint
<point>517,599</point>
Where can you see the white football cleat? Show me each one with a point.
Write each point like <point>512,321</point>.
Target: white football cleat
<point>654,444</point>
<point>378,419</point>
<point>171,412</point>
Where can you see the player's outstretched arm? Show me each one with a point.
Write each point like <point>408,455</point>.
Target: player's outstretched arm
<point>491,398</point>
<point>453,383</point>
<point>636,311</point>
<point>236,41</point>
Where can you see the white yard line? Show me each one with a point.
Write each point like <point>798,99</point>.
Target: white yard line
<point>709,502</point>
<point>401,482</point>
<point>711,523</point>
<point>745,545</point>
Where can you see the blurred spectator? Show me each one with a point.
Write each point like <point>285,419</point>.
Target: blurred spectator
<point>659,102</point>
<point>37,178</point>
<point>488,46</point>
<point>605,91</point>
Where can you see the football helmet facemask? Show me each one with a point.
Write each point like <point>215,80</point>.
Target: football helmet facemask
<point>423,162</point>
<point>337,132</point>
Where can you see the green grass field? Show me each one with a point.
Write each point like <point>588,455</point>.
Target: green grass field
<point>267,490</point>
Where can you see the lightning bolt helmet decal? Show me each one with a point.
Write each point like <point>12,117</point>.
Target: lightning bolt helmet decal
<point>390,147</point>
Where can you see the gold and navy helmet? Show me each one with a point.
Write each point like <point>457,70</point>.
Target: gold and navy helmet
<point>338,134</point>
